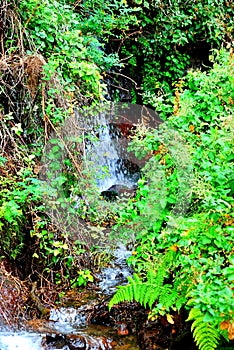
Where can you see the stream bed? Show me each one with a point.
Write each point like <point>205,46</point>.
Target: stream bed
<point>93,337</point>
<point>69,327</point>
<point>90,338</point>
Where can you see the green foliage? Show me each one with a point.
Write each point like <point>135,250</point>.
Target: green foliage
<point>206,335</point>
<point>203,238</point>
<point>75,40</point>
<point>71,40</point>
<point>206,119</point>
<point>24,225</point>
<point>202,90</point>
<point>54,29</point>
<point>104,18</point>
<point>154,288</point>
<point>17,194</point>
<point>171,39</point>
<point>84,276</point>
<point>205,254</point>
<point>60,253</point>
<point>57,55</point>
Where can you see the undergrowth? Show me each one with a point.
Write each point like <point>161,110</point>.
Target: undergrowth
<point>200,275</point>
<point>58,56</point>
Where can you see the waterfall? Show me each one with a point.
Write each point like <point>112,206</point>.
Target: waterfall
<point>108,154</point>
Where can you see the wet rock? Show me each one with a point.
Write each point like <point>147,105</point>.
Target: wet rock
<point>109,194</point>
<point>124,317</point>
<point>116,191</point>
<point>127,129</point>
<point>76,342</point>
<point>162,335</point>
<point>122,329</point>
<point>51,342</point>
<point>88,343</point>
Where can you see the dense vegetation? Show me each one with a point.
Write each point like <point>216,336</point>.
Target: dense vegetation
<point>57,56</point>
<point>193,266</point>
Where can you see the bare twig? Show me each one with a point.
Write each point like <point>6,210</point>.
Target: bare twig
<point>126,77</point>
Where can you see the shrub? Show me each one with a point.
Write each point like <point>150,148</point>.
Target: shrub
<point>201,275</point>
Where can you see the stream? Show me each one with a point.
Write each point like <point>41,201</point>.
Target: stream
<point>68,327</point>
<point>89,338</point>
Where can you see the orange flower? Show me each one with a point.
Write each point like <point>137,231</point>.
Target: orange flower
<point>191,128</point>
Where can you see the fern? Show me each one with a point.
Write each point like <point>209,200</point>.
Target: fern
<point>205,334</point>
<point>168,296</point>
<point>147,292</point>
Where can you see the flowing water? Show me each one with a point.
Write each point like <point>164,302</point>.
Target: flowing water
<point>117,273</point>
<point>90,338</point>
<point>109,152</point>
<point>66,322</point>
<point>20,340</point>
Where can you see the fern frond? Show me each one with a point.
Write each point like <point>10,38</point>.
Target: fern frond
<point>205,334</point>
<point>143,292</point>
<point>181,301</point>
<point>154,283</point>
<point>130,296</point>
<point>127,292</point>
<point>193,314</point>
<point>137,288</point>
<point>153,296</point>
<point>168,296</point>
<point>147,292</point>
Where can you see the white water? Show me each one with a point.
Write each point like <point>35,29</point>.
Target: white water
<point>110,151</point>
<point>116,274</point>
<point>68,319</point>
<point>20,341</point>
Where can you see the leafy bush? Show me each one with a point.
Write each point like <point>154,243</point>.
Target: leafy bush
<point>18,193</point>
<point>71,40</point>
<point>202,240</point>
<point>171,37</point>
<point>54,65</point>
